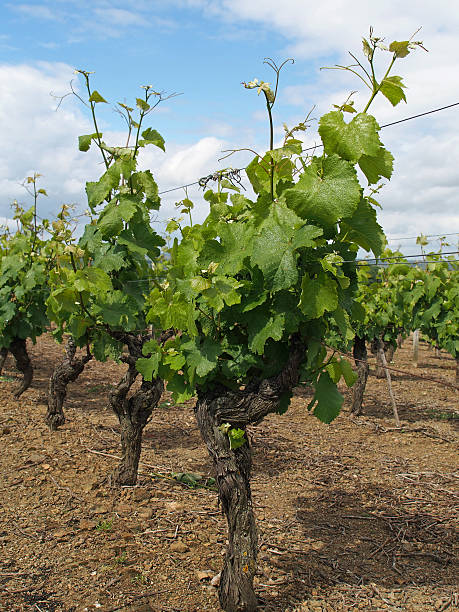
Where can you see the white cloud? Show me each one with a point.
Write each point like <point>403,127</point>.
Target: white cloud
<point>35,11</point>
<point>37,138</point>
<point>119,17</point>
<point>423,194</point>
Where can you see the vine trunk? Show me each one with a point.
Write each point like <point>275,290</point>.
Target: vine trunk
<point>65,372</point>
<point>18,348</point>
<point>232,467</point>
<point>361,362</point>
<point>133,413</point>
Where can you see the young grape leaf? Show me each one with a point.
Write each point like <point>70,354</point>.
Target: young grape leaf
<point>349,140</point>
<point>327,191</point>
<point>327,400</point>
<point>376,166</point>
<point>318,295</point>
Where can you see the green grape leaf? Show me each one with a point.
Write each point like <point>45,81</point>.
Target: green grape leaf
<point>151,136</point>
<point>99,190</point>
<point>327,400</point>
<point>334,371</point>
<point>377,166</point>
<point>180,389</point>
<point>116,311</point>
<point>275,243</point>
<point>363,229</point>
<point>318,295</point>
<point>234,245</point>
<point>77,327</point>
<point>201,359</point>
<point>236,437</point>
<point>327,191</point>
<point>92,279</point>
<point>284,402</point>
<point>172,310</point>
<point>258,174</point>
<point>141,238</point>
<point>349,140</point>
<point>62,300</point>
<point>148,184</point>
<point>112,217</point>
<point>240,363</point>
<point>175,360</point>
<point>148,366</point>
<point>400,48</point>
<point>348,373</point>
<point>109,261</point>
<point>84,142</point>
<point>91,238</point>
<point>392,88</point>
<point>223,291</point>
<point>262,326</point>
<point>142,104</point>
<point>7,311</point>
<point>97,98</point>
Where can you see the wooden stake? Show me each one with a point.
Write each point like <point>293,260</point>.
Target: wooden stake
<point>416,347</point>
<point>389,383</point>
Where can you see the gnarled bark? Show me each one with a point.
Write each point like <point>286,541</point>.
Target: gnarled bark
<point>233,466</point>
<point>3,356</point>
<point>457,369</point>
<point>361,361</point>
<point>65,372</point>
<point>232,469</point>
<point>133,413</point>
<point>18,348</point>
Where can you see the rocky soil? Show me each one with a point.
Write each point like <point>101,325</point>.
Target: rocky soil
<point>355,515</point>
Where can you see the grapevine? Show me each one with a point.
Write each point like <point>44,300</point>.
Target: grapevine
<point>256,287</point>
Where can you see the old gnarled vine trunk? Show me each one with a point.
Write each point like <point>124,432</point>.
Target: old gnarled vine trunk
<point>220,406</point>
<point>65,372</point>
<point>133,413</point>
<point>361,362</point>
<point>232,469</point>
<point>18,348</point>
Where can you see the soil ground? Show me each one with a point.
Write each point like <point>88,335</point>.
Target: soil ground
<point>352,516</point>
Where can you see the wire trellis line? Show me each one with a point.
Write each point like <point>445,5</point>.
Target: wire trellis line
<point>430,112</point>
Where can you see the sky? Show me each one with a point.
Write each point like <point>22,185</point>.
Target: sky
<point>203,50</point>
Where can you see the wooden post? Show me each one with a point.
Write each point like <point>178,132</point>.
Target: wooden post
<point>389,383</point>
<point>416,348</point>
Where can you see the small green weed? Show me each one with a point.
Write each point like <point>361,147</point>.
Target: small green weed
<point>104,525</point>
<point>139,579</point>
<point>443,416</point>
<point>121,559</point>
